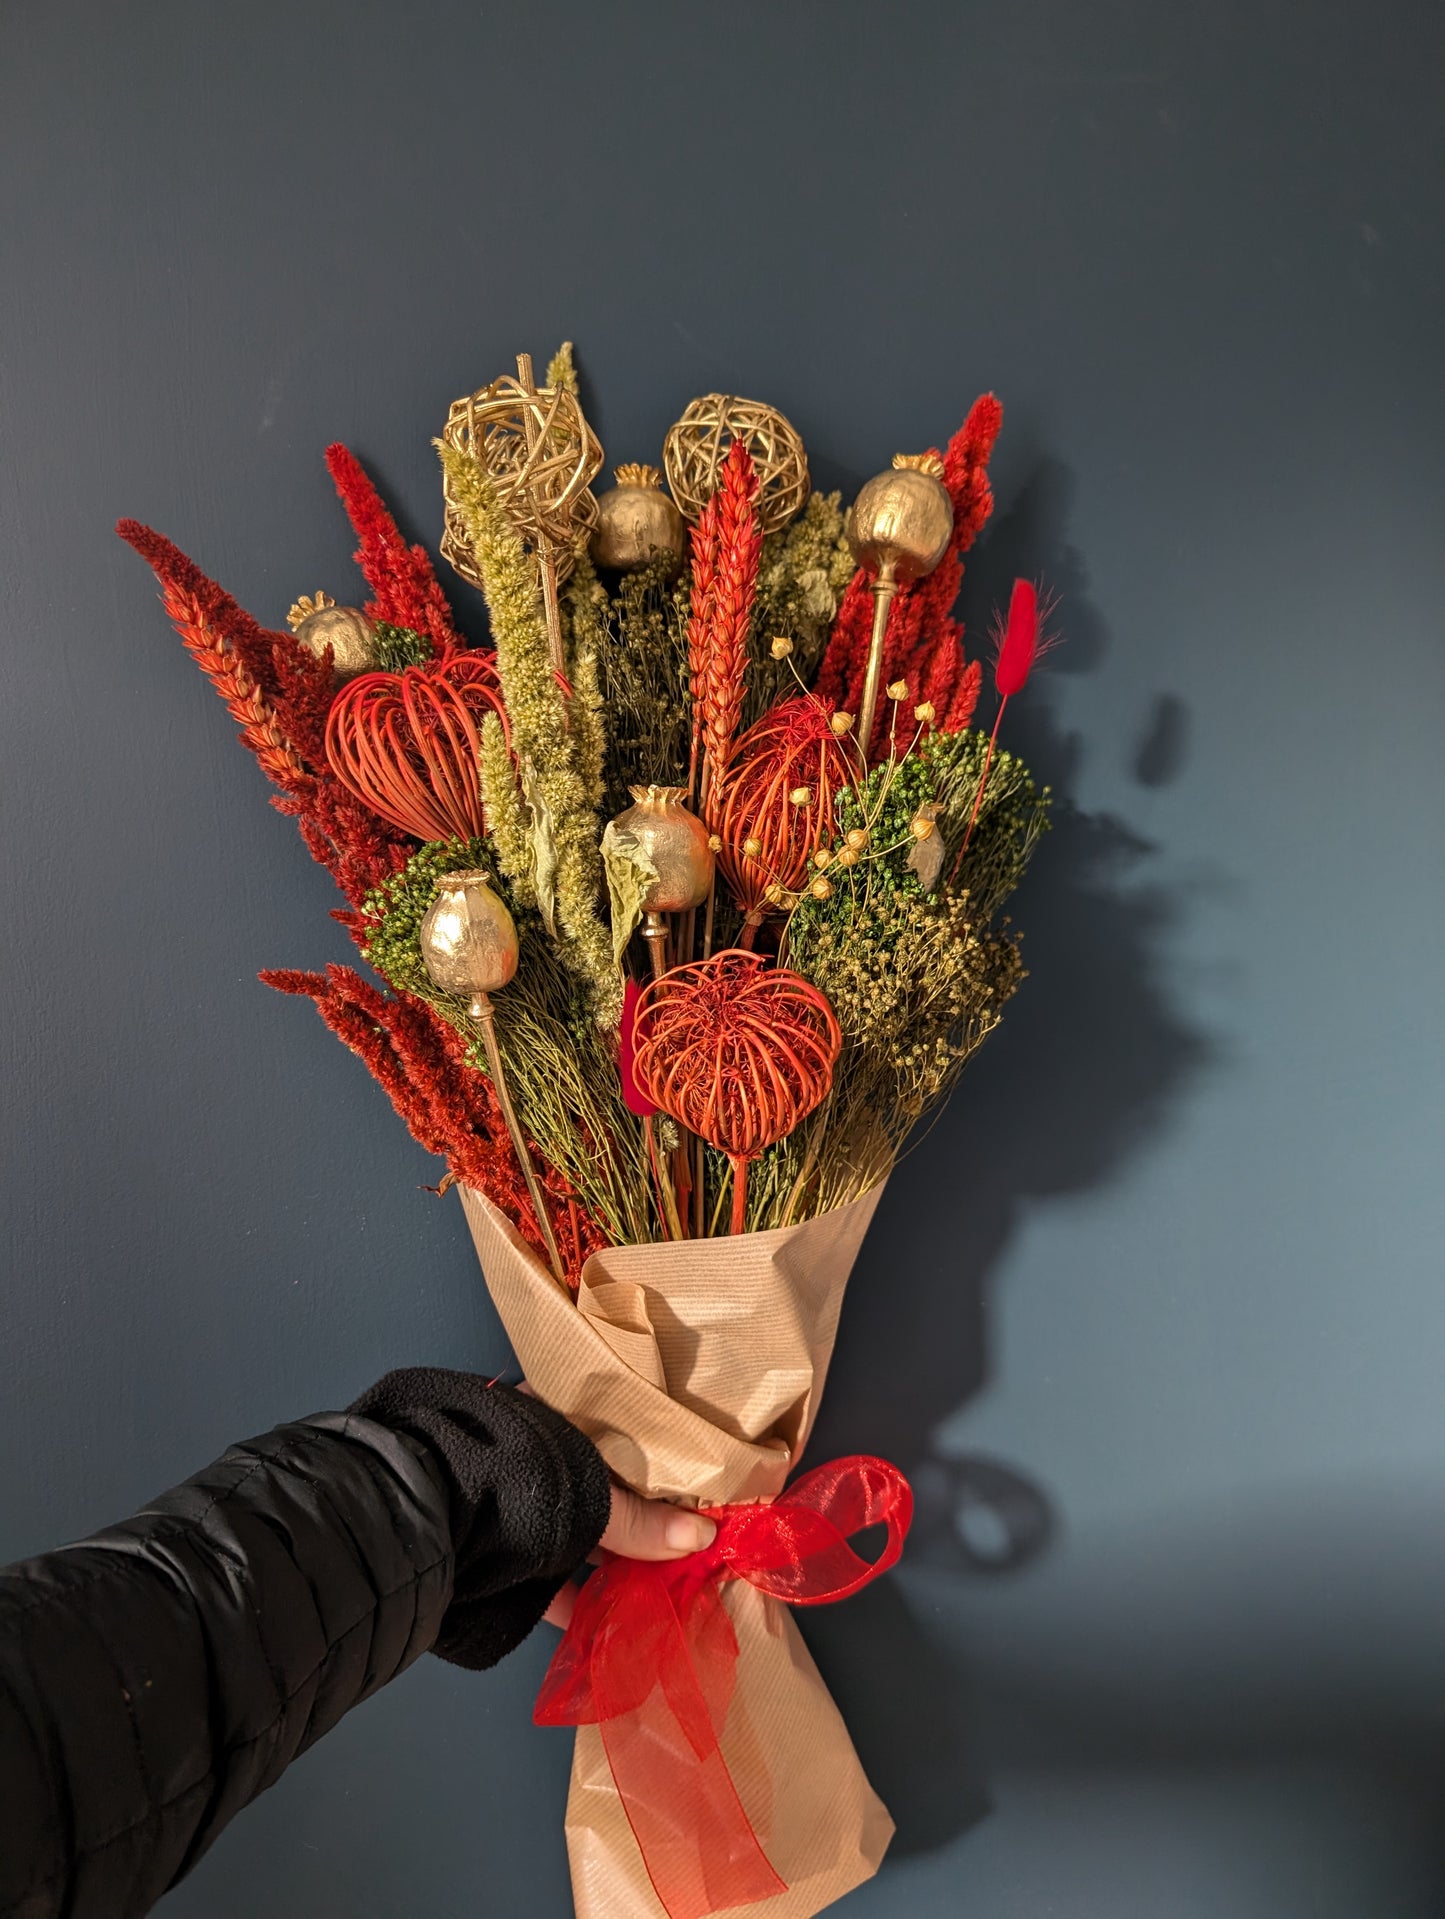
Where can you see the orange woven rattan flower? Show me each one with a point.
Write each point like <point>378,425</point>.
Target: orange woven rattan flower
<point>407,744</point>
<point>776,805</point>
<point>738,1051</point>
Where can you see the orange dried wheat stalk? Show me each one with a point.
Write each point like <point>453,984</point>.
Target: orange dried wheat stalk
<point>259,727</point>
<point>726,548</point>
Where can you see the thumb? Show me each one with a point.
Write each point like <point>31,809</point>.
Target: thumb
<point>651,1529</point>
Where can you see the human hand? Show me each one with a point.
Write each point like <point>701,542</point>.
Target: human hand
<point>640,1529</point>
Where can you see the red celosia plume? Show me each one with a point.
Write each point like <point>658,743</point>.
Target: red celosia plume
<point>222,665</point>
<point>281,694</point>
<point>252,644</point>
<point>447,1105</point>
<point>403,584</point>
<point>923,645</point>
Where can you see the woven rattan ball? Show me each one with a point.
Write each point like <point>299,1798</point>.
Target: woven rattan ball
<point>697,446</point>
<point>541,455</point>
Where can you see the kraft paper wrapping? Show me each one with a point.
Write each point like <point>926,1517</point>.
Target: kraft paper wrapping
<point>696,1369</point>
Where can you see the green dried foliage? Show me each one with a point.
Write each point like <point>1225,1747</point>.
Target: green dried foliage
<point>943,768</point>
<point>640,643</point>
<point>1013,814</point>
<point>507,823</point>
<point>559,1066</point>
<point>914,994</point>
<point>561,369</point>
<point>397,647</point>
<point>589,735</point>
<point>630,877</point>
<point>917,977</point>
<point>394,910</point>
<point>804,568</point>
<point>557,750</point>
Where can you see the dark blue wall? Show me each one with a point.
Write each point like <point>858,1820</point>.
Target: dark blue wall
<point>1156,1317</point>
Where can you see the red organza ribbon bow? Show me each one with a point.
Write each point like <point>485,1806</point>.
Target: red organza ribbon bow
<point>650,1657</point>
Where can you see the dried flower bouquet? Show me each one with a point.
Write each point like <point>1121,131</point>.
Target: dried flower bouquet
<point>686,895</point>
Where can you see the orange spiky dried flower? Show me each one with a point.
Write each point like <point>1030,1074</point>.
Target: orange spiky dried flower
<point>408,744</point>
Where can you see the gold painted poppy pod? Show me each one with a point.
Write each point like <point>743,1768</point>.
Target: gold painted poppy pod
<point>637,523</point>
<point>899,530</point>
<point>468,938</point>
<point>469,947</point>
<point>674,841</point>
<point>319,622</point>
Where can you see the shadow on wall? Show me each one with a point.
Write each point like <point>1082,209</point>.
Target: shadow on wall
<point>1088,1062</point>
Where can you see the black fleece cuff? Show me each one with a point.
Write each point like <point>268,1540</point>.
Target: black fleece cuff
<point>530,1498</point>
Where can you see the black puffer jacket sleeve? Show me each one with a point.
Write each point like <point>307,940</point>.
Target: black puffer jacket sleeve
<point>155,1678</point>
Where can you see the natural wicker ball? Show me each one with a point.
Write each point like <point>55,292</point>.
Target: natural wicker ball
<point>697,445</point>
<point>541,454</point>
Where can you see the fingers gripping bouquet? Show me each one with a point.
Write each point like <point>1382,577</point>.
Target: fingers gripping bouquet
<point>685,895</point>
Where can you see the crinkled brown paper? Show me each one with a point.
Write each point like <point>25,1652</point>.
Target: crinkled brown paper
<point>696,1368</point>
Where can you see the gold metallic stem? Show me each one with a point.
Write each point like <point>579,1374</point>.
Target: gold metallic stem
<point>884,587</point>
<point>655,933</point>
<point>481,1011</point>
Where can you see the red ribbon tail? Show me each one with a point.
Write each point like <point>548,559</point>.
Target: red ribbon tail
<point>651,1657</point>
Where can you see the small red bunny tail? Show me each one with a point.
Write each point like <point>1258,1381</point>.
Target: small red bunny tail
<point>1018,642</point>
<point>1018,646</point>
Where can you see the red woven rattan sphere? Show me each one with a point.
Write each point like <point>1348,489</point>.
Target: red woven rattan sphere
<point>408,744</point>
<point>792,750</point>
<point>736,1049</point>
